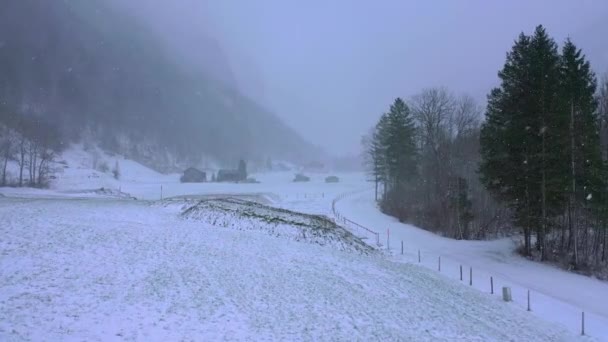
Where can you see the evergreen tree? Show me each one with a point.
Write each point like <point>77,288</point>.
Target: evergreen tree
<point>377,153</point>
<point>586,181</point>
<point>400,150</point>
<point>522,140</point>
<point>398,145</point>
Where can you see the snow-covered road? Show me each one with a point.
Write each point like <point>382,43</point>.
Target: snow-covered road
<point>94,270</point>
<point>556,295</point>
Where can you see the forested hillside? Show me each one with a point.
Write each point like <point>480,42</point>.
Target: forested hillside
<point>94,72</point>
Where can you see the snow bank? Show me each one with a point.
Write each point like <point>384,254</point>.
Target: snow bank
<point>248,215</point>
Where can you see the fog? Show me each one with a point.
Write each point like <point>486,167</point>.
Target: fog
<point>330,68</point>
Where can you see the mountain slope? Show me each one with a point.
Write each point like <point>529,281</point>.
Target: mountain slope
<point>84,66</point>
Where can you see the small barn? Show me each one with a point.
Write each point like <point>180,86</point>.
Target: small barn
<point>229,176</point>
<point>192,175</point>
<point>332,179</point>
<point>301,178</point>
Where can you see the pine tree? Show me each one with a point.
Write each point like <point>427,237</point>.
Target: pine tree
<point>377,153</point>
<point>522,140</point>
<point>400,145</point>
<point>586,181</point>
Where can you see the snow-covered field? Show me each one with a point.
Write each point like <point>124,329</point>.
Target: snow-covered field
<point>103,270</point>
<point>81,263</point>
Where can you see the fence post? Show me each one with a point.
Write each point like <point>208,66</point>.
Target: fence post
<point>439,264</point>
<point>401,247</point>
<point>161,192</point>
<point>418,256</point>
<point>583,324</point>
<point>471,276</point>
<point>388,237</point>
<point>460,272</point>
<point>529,300</point>
<point>491,285</point>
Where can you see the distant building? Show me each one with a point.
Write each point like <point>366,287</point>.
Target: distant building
<point>238,175</point>
<point>332,179</point>
<point>229,176</point>
<point>192,175</point>
<point>301,178</point>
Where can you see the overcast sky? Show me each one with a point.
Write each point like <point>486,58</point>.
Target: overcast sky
<point>330,68</point>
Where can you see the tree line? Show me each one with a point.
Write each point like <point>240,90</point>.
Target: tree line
<point>537,163</point>
<point>32,144</point>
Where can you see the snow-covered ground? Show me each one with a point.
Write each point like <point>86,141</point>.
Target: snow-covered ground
<point>81,263</point>
<point>106,269</point>
<point>556,295</point>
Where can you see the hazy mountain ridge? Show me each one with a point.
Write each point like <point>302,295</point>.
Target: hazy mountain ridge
<point>87,66</point>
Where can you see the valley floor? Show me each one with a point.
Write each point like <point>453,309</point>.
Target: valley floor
<point>84,261</point>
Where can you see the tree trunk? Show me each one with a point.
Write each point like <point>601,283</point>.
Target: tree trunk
<point>604,244</point>
<point>527,242</point>
<point>6,157</point>
<point>572,224</point>
<point>21,160</point>
<point>376,188</point>
<point>40,171</point>
<point>543,226</point>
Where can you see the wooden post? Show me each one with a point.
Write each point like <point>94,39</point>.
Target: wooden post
<point>418,256</point>
<point>529,300</point>
<point>161,192</point>
<point>460,272</point>
<point>471,276</point>
<point>491,285</point>
<point>388,236</point>
<point>439,264</point>
<point>583,324</point>
<point>401,247</point>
